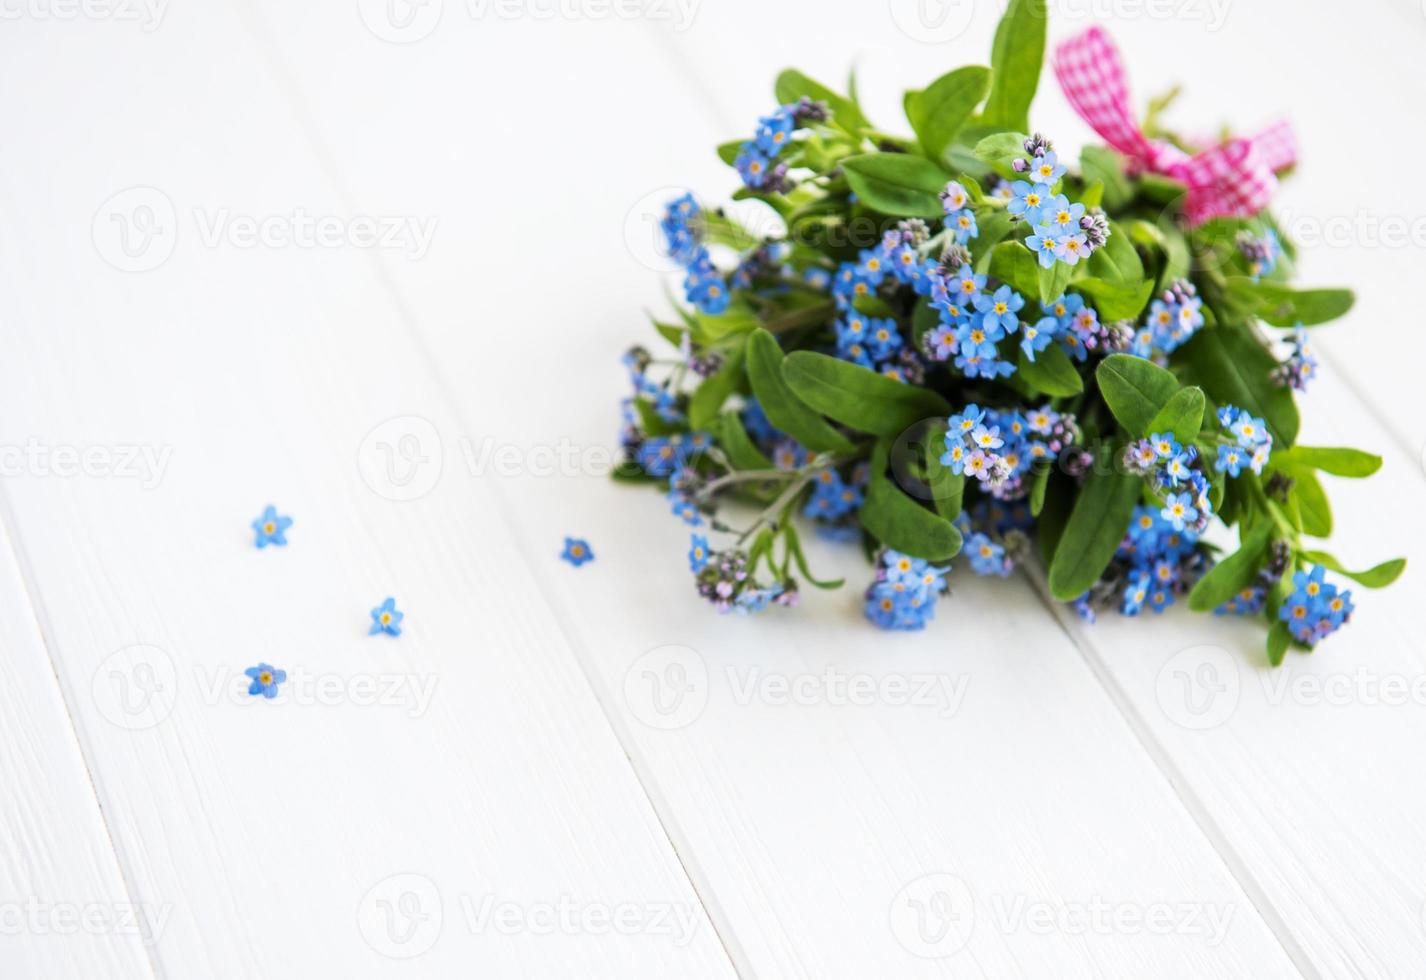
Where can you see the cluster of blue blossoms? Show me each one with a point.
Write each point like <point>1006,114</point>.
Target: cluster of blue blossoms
<point>724,579</point>
<point>1300,367</point>
<point>903,596</point>
<point>758,159</point>
<point>1173,319</point>
<point>998,449</point>
<point>834,498</point>
<point>1254,443</point>
<point>876,342</point>
<point>1064,232</point>
<point>705,287</point>
<point>1262,254</point>
<point>1315,609</point>
<point>1162,558</point>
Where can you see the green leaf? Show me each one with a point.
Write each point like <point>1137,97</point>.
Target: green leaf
<point>1182,415</point>
<point>784,409</point>
<point>1283,306</point>
<point>707,401</point>
<point>1178,261</point>
<point>1312,504</point>
<point>897,184</point>
<point>1039,483</point>
<point>652,422</point>
<point>792,85</point>
<point>1093,195</point>
<point>1115,301</point>
<point>1279,638</point>
<point>859,398</point>
<point>1373,578</point>
<point>1234,369</point>
<point>1099,163</point>
<point>1351,463</point>
<point>1054,281</point>
<point>716,327</point>
<point>741,452</point>
<point>1016,59</point>
<point>1051,372</point>
<point>1054,515</point>
<point>671,332</point>
<point>939,111</point>
<point>1096,526</point>
<point>925,319</point>
<point>631,472</point>
<point>1234,573</point>
<point>1135,390</point>
<point>1012,262</point>
<point>899,522</point>
<point>1000,150</point>
<point>728,152</point>
<point>995,224</point>
<point>1117,262</point>
<point>947,489</point>
<point>794,547</point>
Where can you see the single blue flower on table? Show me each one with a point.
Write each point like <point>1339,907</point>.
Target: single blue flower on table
<point>265,680</point>
<point>271,528</point>
<point>385,618</point>
<point>576,552</point>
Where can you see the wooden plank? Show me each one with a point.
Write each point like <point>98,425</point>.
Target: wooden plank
<point>455,794</point>
<point>817,829</point>
<point>64,910</point>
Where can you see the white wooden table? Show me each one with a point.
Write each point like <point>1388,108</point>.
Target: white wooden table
<point>561,773</point>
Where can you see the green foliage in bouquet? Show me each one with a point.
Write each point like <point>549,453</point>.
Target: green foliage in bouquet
<point>954,343</point>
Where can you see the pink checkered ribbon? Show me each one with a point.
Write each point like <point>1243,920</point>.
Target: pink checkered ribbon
<point>1237,178</point>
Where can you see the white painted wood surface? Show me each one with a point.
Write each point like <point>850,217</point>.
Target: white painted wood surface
<point>1047,773</point>
<point>64,908</point>
<point>497,796</point>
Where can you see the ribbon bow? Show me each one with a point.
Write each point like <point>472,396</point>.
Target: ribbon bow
<point>1235,179</point>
